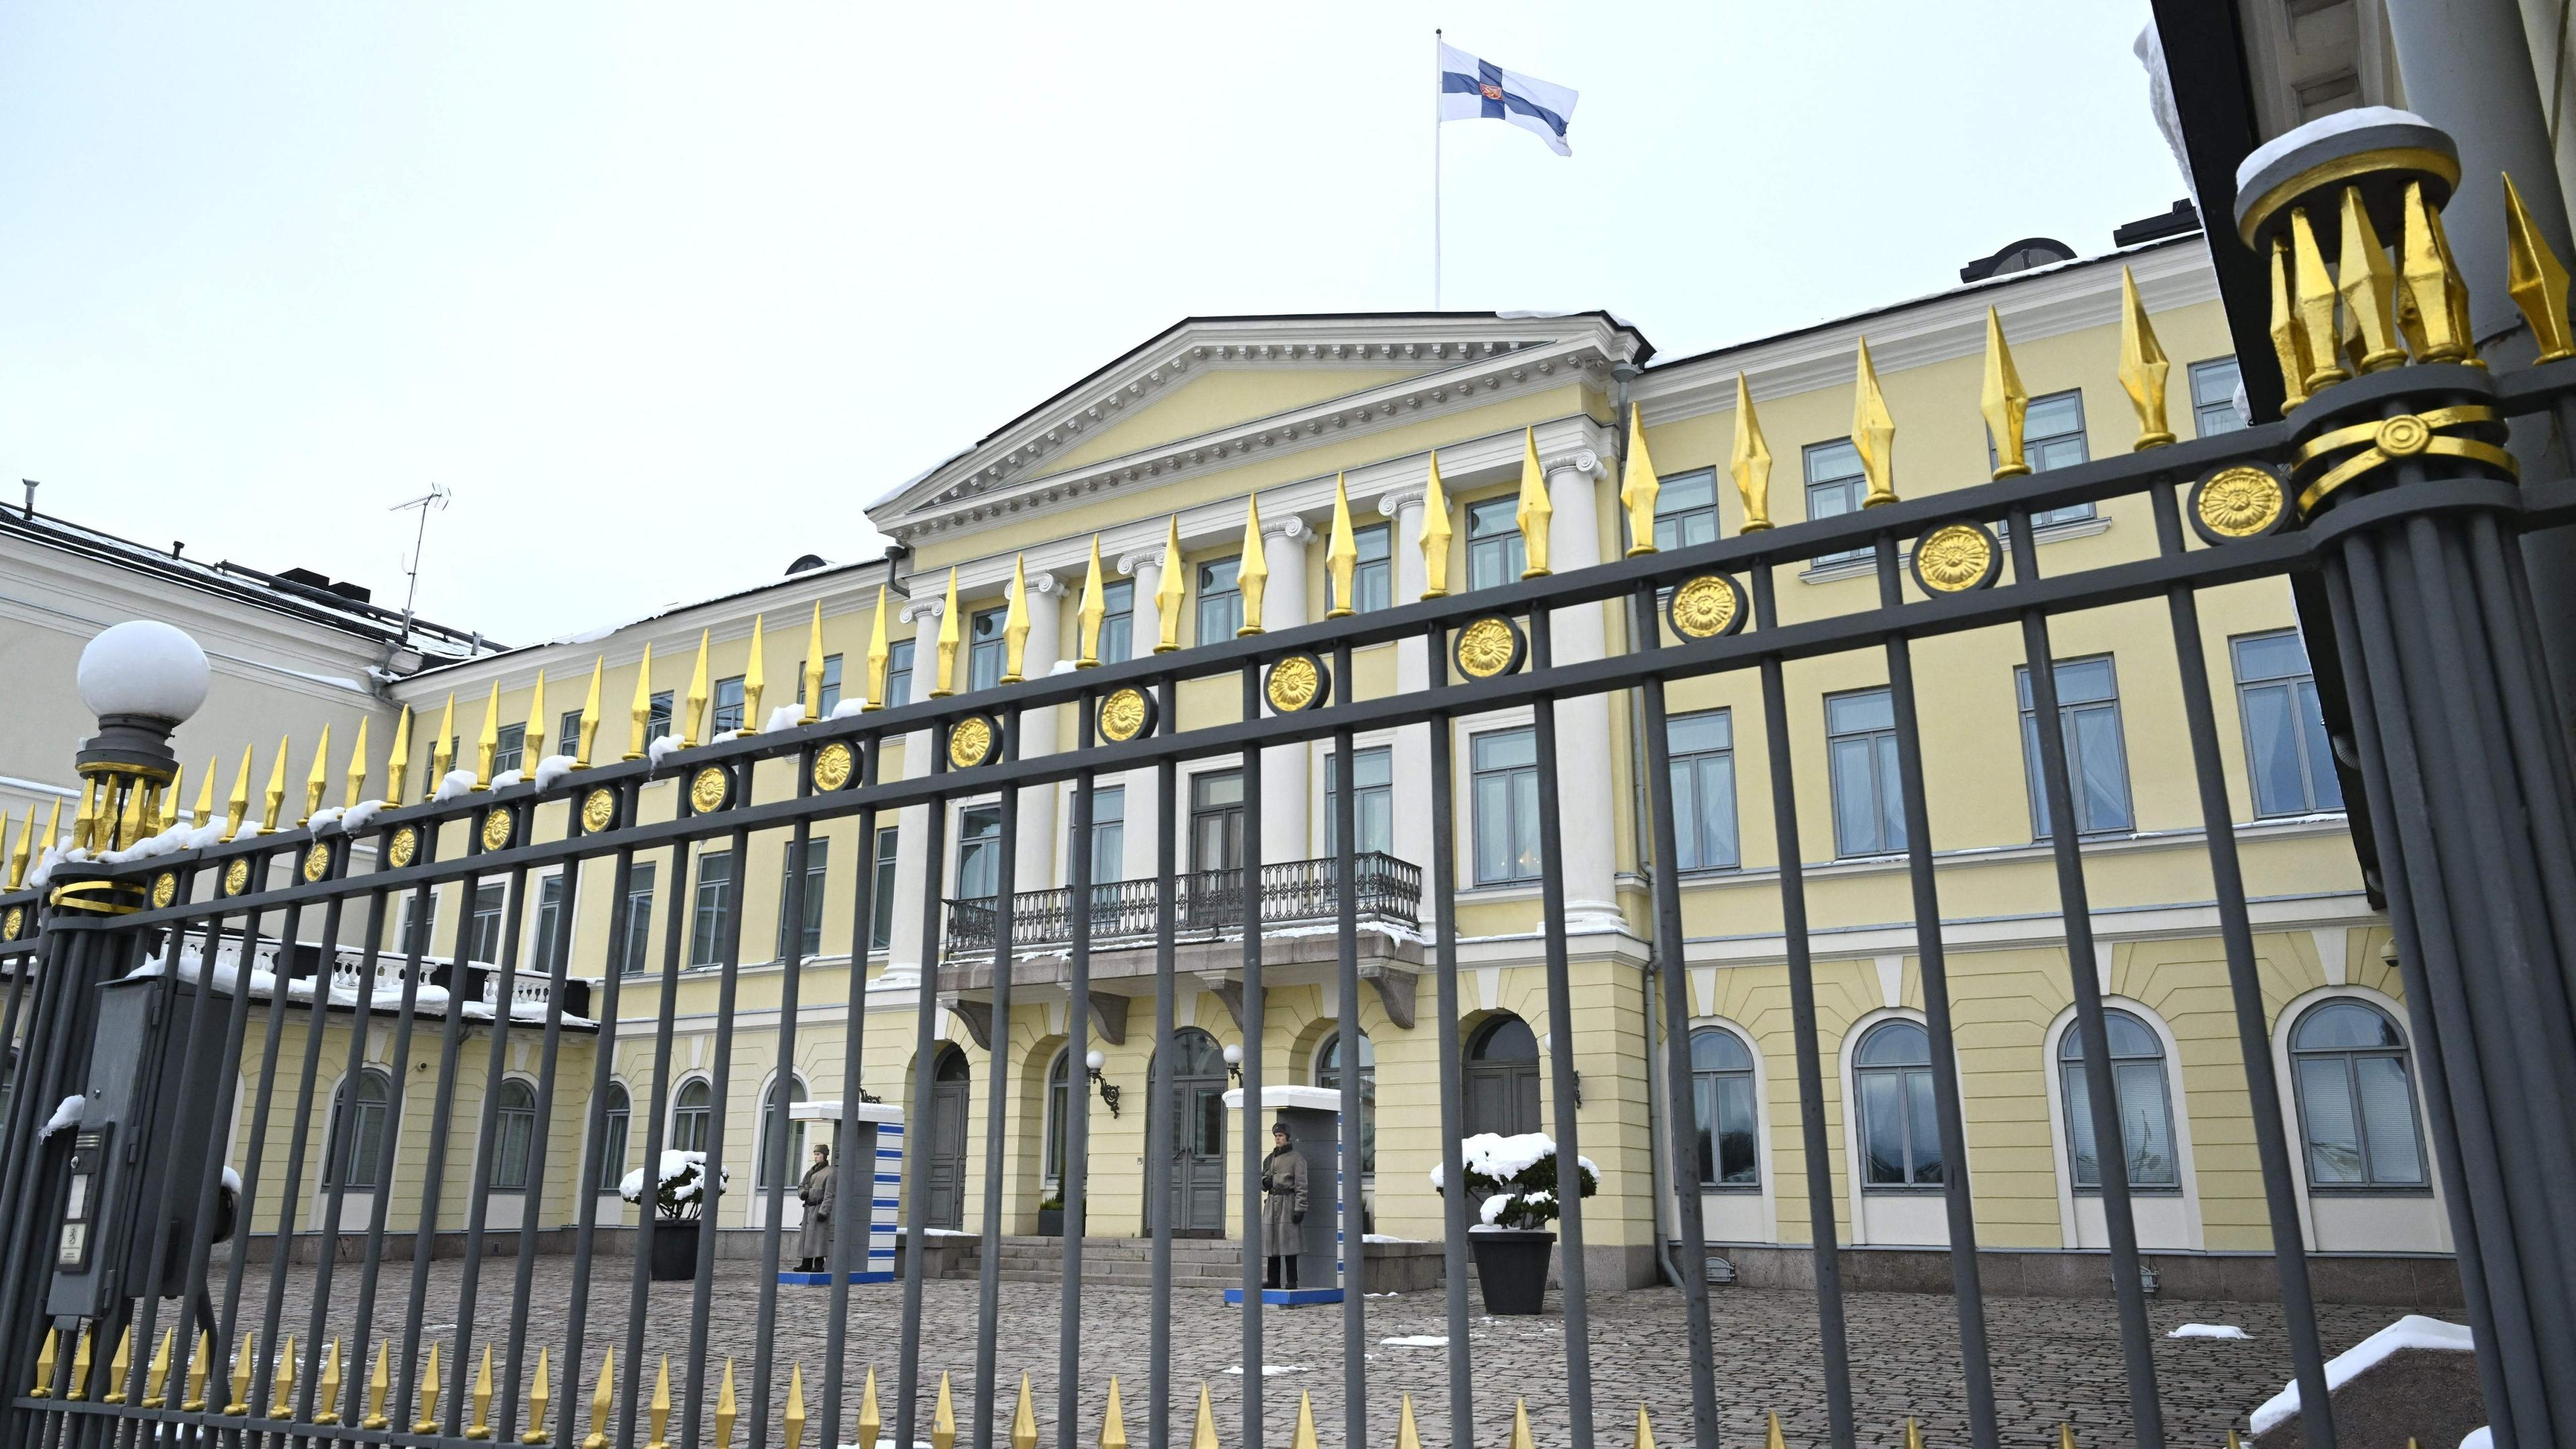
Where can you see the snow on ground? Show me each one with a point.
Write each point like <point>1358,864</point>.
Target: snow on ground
<point>2209,1330</point>
<point>2412,1331</point>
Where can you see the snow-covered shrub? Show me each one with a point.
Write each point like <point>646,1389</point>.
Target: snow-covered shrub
<point>1517,1177</point>
<point>681,1193</point>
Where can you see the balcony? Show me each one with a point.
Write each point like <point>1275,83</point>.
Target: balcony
<point>1209,904</point>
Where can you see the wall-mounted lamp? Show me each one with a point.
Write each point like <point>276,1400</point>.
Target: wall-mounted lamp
<point>1108,1089</point>
<point>1234,1061</point>
<point>1543,1039</point>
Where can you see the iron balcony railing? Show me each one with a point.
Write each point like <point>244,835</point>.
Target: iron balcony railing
<point>1208,902</point>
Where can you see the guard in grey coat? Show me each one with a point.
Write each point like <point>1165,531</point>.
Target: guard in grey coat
<point>814,1239</point>
<point>1283,1208</point>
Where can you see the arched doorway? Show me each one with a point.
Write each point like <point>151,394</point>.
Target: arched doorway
<point>944,1145</point>
<point>1501,1078</point>
<point>1198,1156</point>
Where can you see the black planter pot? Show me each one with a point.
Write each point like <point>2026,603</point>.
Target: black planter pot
<point>1511,1263</point>
<point>675,1249</point>
<point>1050,1222</point>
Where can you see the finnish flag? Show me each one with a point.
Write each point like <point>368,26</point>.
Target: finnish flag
<point>1472,89</point>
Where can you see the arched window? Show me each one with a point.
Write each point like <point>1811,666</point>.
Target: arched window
<point>362,1134</point>
<point>2146,1106</point>
<point>1328,1074</point>
<point>1899,1134</point>
<point>1722,1104</point>
<point>775,1124</point>
<point>2356,1098</point>
<point>514,1131</point>
<point>617,1117</point>
<point>691,1112</point>
<point>1059,1101</point>
<point>1502,1078</point>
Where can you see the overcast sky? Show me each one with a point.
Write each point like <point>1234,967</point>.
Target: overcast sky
<point>666,295</point>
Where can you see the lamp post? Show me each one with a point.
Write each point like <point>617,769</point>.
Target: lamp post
<point>1094,1061</point>
<point>1234,1061</point>
<point>142,679</point>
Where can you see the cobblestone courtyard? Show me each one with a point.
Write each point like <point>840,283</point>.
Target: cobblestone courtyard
<point>2054,1359</point>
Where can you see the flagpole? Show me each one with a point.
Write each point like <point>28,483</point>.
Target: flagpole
<point>1435,172</point>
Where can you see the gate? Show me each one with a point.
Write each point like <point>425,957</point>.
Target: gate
<point>131,1312</point>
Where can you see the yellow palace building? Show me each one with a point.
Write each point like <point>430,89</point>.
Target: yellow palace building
<point>1159,458</point>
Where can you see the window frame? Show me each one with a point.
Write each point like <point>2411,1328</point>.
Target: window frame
<point>886,862</point>
<point>476,917</point>
<point>509,749</point>
<point>550,903</point>
<point>1879,788</point>
<point>657,717</point>
<point>568,734</point>
<point>899,656</point>
<point>1229,599</point>
<point>1476,776</point>
<point>616,1131</point>
<point>2404,1055</point>
<point>1108,837</point>
<point>2033,781</point>
<point>1677,760</point>
<point>346,1171</point>
<point>2301,690</point>
<point>1318,1070</point>
<point>818,863</point>
<point>2037,453</point>
<point>2202,412</point>
<point>707,919</point>
<point>509,1120</point>
<point>1361,798</point>
<point>1117,621</point>
<point>1713,1134</point>
<point>990,841</point>
<point>1853,485</point>
<point>682,1113</point>
<point>831,693</point>
<point>1372,579</point>
<point>1669,486</point>
<point>987,646</point>
<point>2070,1071</point>
<point>640,884</point>
<point>1508,543</point>
<point>1057,1097</point>
<point>1913,1184</point>
<point>726,705</point>
<point>799,1133</point>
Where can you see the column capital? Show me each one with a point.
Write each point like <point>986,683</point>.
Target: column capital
<point>922,608</point>
<point>1581,460</point>
<point>1130,564</point>
<point>1396,500</point>
<point>1293,529</point>
<point>1045,582</point>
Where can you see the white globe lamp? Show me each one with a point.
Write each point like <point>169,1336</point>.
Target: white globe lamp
<point>142,679</point>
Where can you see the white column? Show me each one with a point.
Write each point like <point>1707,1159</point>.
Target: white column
<point>1144,802</point>
<point>1034,858</point>
<point>1583,723</point>
<point>1412,675</point>
<point>914,872</point>
<point>1285,808</point>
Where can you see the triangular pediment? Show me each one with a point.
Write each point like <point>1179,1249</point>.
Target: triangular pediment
<point>1209,389</point>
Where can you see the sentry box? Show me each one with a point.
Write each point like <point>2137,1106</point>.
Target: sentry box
<point>144,1128</point>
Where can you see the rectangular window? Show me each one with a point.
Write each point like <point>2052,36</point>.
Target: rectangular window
<point>2213,397</point>
<point>1495,552</point>
<point>1372,802</point>
<point>2097,766</point>
<point>1118,622</point>
<point>657,723</point>
<point>1108,834</point>
<point>1835,486</point>
<point>818,853</point>
<point>1703,763</point>
<point>2285,728</point>
<point>639,917</point>
<point>707,919</point>
<point>898,673</point>
<point>511,749</point>
<point>2052,436</point>
<point>1686,509</point>
<point>1373,577</point>
<point>881,896</point>
<point>568,733</point>
<point>728,707</point>
<point>483,928</point>
<point>831,699</point>
<point>1220,600</point>
<point>1869,798</point>
<point>1504,767</point>
<point>984,646</point>
<point>549,919</point>
<point>979,852</point>
<point>419,926</point>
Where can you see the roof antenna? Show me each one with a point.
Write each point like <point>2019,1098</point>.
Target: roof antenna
<point>437,497</point>
<point>32,486</point>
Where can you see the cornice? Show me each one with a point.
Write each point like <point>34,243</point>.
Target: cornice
<point>994,481</point>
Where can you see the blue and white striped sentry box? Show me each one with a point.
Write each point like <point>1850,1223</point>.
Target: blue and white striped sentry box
<point>880,1125</point>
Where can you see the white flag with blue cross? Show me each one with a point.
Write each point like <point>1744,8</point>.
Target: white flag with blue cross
<point>1472,89</point>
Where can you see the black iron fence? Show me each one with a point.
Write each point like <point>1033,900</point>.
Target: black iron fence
<point>2386,494</point>
<point>1296,892</point>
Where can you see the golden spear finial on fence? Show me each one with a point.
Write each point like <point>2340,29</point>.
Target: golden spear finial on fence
<point>319,780</point>
<point>813,668</point>
<point>44,1386</point>
<point>1645,1428</point>
<point>1342,552</point>
<point>540,1393</point>
<point>26,843</point>
<point>199,1367</point>
<point>880,657</point>
<point>54,820</point>
<point>1520,1425</point>
<point>283,1381</point>
<point>944,682</point>
<point>1251,571</point>
<point>1436,533</point>
<point>694,724</point>
<point>2535,280</point>
<point>240,1405</point>
<point>1304,1437</point>
<point>1170,590</point>
<point>1639,487</point>
<point>442,750</point>
<point>1913,1435</point>
<point>1015,624</point>
<point>237,808</point>
<point>326,1396</point>
<point>1095,608</point>
<point>80,1364</point>
<point>659,1410</point>
<point>1873,433</point>
<point>639,714</point>
<point>275,795</point>
<point>2369,288</point>
<point>357,770</point>
<point>726,1411</point>
<point>1774,1439</point>
<point>204,810</point>
<point>169,815</point>
<point>2004,401</point>
<point>379,1384</point>
<point>1203,1429</point>
<point>603,1402</point>
<point>487,745</point>
<point>85,820</point>
<point>792,1418</point>
<point>1113,1419</point>
<point>1749,462</point>
<point>586,734</point>
<point>2315,296</point>
<point>943,1420</point>
<point>755,680</point>
<point>871,1423</point>
<point>156,1377</point>
<point>2065,1436</point>
<point>481,1428</point>
<point>1536,510</point>
<point>2143,368</point>
<point>398,760</point>
<point>1024,1420</point>
<point>428,1422</point>
<point>534,736</point>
